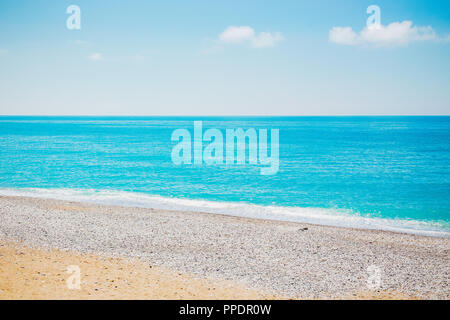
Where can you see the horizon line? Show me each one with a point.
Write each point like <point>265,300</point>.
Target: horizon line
<point>193,116</point>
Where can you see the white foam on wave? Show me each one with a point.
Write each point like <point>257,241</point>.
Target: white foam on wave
<point>322,216</point>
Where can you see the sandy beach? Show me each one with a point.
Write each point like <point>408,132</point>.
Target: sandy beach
<point>138,253</point>
<point>27,273</point>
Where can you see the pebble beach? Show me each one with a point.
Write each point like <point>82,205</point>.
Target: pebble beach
<point>275,259</point>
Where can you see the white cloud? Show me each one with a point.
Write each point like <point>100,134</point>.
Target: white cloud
<point>95,56</point>
<point>343,35</point>
<point>267,39</point>
<point>246,35</point>
<point>234,34</point>
<point>394,34</point>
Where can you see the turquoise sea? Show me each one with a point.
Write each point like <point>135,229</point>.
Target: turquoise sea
<point>390,173</point>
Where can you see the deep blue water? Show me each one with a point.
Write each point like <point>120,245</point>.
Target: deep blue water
<point>395,168</point>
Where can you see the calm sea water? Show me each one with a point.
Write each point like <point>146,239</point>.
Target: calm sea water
<point>388,173</point>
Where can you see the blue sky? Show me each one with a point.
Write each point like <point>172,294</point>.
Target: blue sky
<point>181,58</point>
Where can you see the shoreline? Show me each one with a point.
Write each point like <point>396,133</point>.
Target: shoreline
<point>289,259</point>
<point>306,215</point>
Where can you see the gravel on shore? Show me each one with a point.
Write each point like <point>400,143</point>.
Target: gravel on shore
<point>289,259</point>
